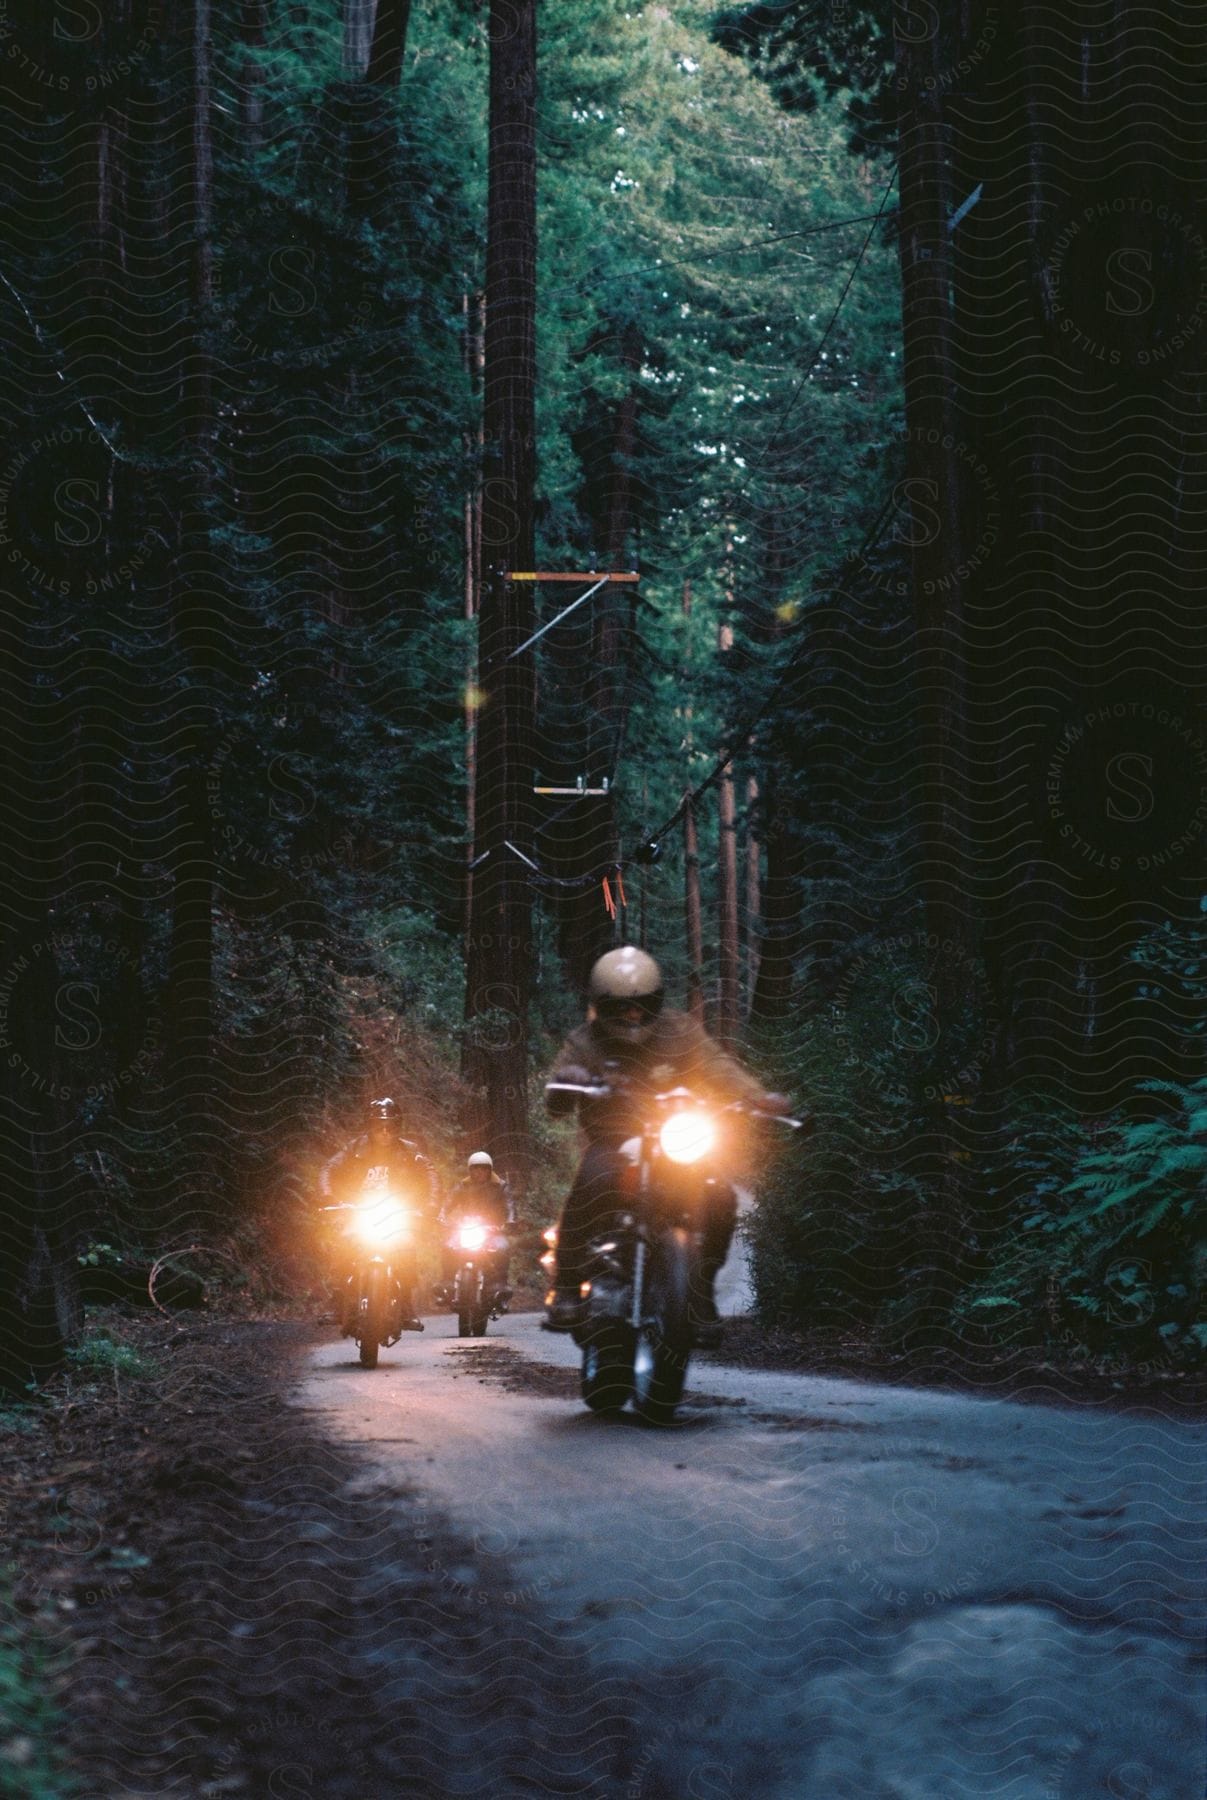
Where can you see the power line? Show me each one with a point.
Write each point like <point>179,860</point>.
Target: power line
<point>834,316</point>
<point>678,262</point>
<point>742,735</point>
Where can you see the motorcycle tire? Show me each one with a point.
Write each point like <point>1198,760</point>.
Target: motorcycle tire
<point>607,1377</point>
<point>471,1319</point>
<point>373,1319</point>
<point>660,1367</point>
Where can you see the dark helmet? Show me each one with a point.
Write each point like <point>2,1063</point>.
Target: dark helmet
<point>383,1112</point>
<point>626,994</point>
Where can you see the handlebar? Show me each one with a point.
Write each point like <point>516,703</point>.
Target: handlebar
<point>606,1091</point>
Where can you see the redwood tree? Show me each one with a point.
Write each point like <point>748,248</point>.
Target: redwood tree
<point>499,975</point>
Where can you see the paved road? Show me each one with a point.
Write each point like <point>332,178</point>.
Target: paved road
<point>820,1589</point>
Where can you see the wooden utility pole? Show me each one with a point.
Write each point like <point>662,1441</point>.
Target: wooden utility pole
<point>499,971</point>
<point>691,913</point>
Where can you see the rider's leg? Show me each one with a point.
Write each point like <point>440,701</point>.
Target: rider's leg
<point>590,1205</point>
<point>496,1276</point>
<point>448,1270</point>
<point>408,1284</point>
<point>720,1218</point>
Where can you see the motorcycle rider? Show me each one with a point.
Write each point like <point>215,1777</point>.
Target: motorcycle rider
<point>382,1153</point>
<point>480,1194</point>
<point>634,1043</point>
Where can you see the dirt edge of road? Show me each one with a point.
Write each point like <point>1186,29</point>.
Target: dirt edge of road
<point>227,1603</point>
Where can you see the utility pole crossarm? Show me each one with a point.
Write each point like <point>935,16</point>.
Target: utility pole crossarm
<point>599,581</point>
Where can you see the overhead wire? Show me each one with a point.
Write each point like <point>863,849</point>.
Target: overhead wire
<point>743,249</point>
<point>742,735</point>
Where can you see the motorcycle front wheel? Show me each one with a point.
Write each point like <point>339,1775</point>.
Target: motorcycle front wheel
<point>471,1321</point>
<point>372,1317</point>
<point>664,1341</point>
<point>607,1379</point>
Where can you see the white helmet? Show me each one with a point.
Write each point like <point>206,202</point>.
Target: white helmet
<point>481,1159</point>
<point>626,993</point>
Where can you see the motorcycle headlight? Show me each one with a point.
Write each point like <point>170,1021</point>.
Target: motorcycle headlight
<point>687,1136</point>
<point>471,1236</point>
<point>382,1220</point>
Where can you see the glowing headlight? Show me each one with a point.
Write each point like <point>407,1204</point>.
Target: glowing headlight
<point>687,1136</point>
<point>382,1220</point>
<point>471,1237</point>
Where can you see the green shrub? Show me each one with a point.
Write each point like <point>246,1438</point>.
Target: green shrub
<point>100,1354</point>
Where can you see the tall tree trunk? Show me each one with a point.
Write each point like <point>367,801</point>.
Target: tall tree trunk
<point>254,34</point>
<point>358,36</point>
<point>692,920</point>
<point>474,351</point>
<point>781,913</point>
<point>499,975</point>
<point>197,607</point>
<point>728,988</point>
<point>32,1334</point>
<point>588,838</point>
<point>375,41</point>
<point>753,889</point>
<point>934,487</point>
<point>389,42</point>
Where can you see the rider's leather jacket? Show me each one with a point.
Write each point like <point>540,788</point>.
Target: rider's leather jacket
<point>350,1169</point>
<point>489,1200</point>
<point>677,1053</point>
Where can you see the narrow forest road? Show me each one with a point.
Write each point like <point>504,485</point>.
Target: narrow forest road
<point>820,1589</point>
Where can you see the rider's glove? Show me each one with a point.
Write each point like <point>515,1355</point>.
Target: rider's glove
<point>560,1104</point>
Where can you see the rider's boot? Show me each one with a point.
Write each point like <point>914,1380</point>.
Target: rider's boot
<point>702,1307</point>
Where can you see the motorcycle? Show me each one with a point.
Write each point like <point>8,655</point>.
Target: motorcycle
<point>474,1295</point>
<point>636,1333</point>
<point>380,1227</point>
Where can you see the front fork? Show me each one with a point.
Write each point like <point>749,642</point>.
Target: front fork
<point>640,1252</point>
